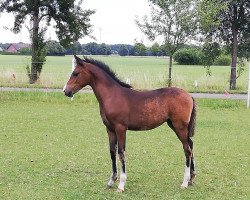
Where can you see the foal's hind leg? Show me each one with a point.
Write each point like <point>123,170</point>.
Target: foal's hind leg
<point>113,152</point>
<point>192,170</point>
<point>188,154</point>
<point>181,130</point>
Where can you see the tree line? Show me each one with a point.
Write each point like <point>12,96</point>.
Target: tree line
<point>54,48</point>
<point>138,49</point>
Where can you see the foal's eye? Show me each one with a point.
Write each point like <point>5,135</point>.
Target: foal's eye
<point>75,74</point>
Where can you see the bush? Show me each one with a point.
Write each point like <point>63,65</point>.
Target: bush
<point>188,57</point>
<point>223,60</point>
<point>123,51</point>
<point>25,51</point>
<point>9,53</point>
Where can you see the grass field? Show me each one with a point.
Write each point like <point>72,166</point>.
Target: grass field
<point>143,72</point>
<point>54,148</point>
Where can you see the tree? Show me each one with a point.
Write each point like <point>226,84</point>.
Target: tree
<point>131,50</point>
<point>174,21</point>
<point>140,49</point>
<point>104,49</point>
<point>227,21</point>
<point>155,49</point>
<point>163,50</point>
<point>54,48</point>
<point>25,51</point>
<point>77,48</point>
<point>210,51</point>
<point>190,56</point>
<point>92,48</point>
<point>72,23</point>
<point>38,54</point>
<point>123,50</point>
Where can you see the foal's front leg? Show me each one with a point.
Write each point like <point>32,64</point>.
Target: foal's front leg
<point>121,137</point>
<point>113,152</point>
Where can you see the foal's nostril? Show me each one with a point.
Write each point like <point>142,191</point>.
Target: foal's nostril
<point>68,94</point>
<point>67,91</point>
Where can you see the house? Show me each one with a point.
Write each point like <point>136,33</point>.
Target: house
<point>16,47</point>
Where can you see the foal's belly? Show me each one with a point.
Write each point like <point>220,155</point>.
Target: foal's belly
<point>145,122</point>
<point>143,127</point>
<point>148,115</point>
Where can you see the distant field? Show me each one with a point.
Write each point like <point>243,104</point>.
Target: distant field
<point>143,73</point>
<point>54,148</point>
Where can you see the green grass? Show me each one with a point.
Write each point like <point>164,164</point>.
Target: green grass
<point>144,73</point>
<point>54,148</point>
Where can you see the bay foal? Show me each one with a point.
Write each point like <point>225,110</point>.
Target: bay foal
<point>123,108</point>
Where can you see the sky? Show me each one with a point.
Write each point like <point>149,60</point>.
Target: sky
<point>113,23</point>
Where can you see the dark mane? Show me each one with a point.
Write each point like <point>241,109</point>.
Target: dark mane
<point>106,68</point>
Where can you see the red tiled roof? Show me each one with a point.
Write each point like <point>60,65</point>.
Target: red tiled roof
<point>19,46</point>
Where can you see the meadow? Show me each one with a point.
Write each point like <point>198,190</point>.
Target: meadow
<point>54,148</point>
<point>142,72</point>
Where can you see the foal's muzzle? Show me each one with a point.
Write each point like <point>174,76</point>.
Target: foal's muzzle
<point>68,93</point>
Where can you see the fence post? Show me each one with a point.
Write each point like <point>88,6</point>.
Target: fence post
<point>73,65</point>
<point>248,93</point>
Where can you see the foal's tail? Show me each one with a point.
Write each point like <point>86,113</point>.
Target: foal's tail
<point>192,122</point>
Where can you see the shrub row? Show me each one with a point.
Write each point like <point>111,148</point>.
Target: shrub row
<point>194,57</point>
<point>187,57</point>
<point>223,60</point>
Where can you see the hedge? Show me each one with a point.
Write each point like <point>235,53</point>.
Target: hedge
<point>188,57</point>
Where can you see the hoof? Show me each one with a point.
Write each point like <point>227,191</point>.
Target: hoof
<point>109,187</point>
<point>110,183</point>
<point>120,190</point>
<point>193,175</point>
<point>190,183</point>
<point>192,179</point>
<point>184,185</point>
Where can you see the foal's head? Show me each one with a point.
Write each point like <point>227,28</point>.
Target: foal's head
<point>79,78</point>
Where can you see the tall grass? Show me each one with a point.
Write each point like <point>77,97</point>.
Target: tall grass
<point>142,72</point>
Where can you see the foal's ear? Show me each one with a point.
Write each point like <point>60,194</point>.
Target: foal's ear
<point>79,61</point>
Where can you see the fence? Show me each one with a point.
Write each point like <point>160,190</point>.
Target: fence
<point>248,93</point>
<point>143,73</point>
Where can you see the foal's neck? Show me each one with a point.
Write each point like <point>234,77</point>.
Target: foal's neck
<point>102,84</point>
